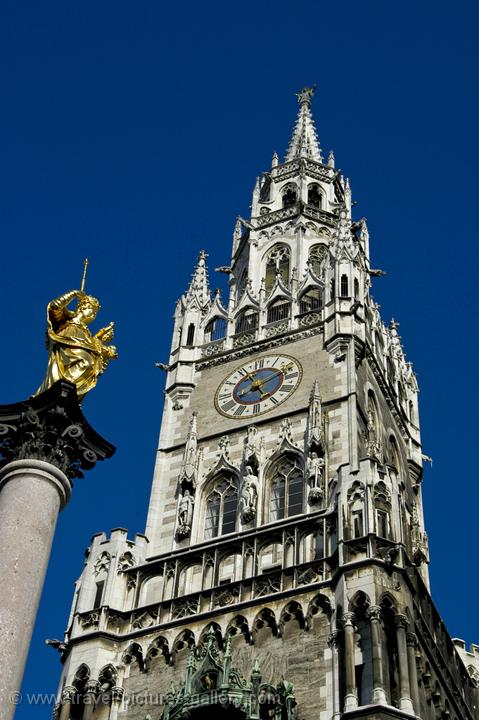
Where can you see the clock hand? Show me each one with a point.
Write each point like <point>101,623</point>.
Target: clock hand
<point>283,370</point>
<point>256,384</point>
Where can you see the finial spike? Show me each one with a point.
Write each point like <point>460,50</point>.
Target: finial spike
<point>83,280</point>
<point>304,142</point>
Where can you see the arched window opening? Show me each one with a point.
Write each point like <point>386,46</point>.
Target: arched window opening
<point>289,197</point>
<point>279,310</point>
<point>317,256</point>
<point>271,557</point>
<point>100,586</point>
<point>287,489</point>
<point>80,681</point>
<point>356,289</point>
<point>151,590</point>
<point>190,337</point>
<point>216,329</point>
<point>344,286</point>
<point>277,263</point>
<point>315,197</point>
<point>311,300</point>
<point>357,523</point>
<point>221,508</point>
<point>382,505</point>
<point>247,321</point>
<point>312,547</point>
<point>190,580</point>
<point>382,522</point>
<point>332,288</point>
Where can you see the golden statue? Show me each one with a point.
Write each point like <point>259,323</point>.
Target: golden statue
<point>74,353</point>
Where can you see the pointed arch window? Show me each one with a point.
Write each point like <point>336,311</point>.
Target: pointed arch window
<point>311,300</point>
<point>221,508</point>
<point>344,286</point>
<point>278,310</point>
<point>277,263</point>
<point>215,330</point>
<point>356,289</point>
<point>315,197</point>
<point>190,337</point>
<point>289,196</point>
<point>286,489</point>
<point>317,256</point>
<point>247,321</point>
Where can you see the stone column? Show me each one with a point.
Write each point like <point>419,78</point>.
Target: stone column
<point>116,700</point>
<point>351,695</point>
<point>45,443</point>
<point>67,698</point>
<point>404,690</point>
<point>89,698</point>
<point>31,495</point>
<point>333,646</point>
<point>379,692</point>
<point>411,640</point>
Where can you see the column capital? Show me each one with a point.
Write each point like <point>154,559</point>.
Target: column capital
<point>117,693</point>
<point>51,428</point>
<point>348,619</point>
<point>92,688</point>
<point>401,621</point>
<point>411,639</point>
<point>68,693</point>
<point>375,613</point>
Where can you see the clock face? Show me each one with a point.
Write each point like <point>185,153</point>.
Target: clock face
<point>258,386</point>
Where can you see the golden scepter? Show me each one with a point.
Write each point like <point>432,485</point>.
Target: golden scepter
<point>85,266</point>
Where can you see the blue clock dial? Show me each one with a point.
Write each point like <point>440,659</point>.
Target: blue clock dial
<point>258,386</point>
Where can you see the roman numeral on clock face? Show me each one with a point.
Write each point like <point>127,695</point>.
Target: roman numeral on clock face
<point>228,406</point>
<point>286,388</point>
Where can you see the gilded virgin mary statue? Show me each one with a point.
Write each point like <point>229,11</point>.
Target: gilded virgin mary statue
<point>75,354</point>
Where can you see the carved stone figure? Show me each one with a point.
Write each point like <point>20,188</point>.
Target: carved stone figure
<point>185,514</point>
<point>248,495</point>
<point>314,469</point>
<point>75,354</point>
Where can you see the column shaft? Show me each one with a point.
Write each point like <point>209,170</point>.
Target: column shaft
<point>351,698</point>
<point>379,692</point>
<point>31,492</point>
<point>404,690</point>
<point>335,701</point>
<point>116,699</point>
<point>411,656</point>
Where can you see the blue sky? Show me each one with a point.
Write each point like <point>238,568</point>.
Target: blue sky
<point>132,133</point>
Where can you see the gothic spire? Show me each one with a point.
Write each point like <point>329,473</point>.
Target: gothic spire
<point>198,294</point>
<point>304,142</point>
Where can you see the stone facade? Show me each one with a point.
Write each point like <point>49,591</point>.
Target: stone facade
<point>284,567</point>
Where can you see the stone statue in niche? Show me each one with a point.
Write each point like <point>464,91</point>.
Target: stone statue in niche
<point>314,469</point>
<point>248,495</point>
<point>185,515</point>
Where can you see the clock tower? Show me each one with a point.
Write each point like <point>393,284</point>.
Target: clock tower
<point>283,572</point>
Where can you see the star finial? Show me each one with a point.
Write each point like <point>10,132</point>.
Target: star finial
<point>305,95</point>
